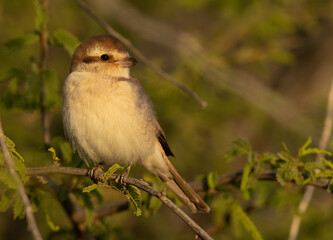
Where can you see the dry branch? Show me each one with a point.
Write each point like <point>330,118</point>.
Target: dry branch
<point>95,175</point>
<point>32,225</point>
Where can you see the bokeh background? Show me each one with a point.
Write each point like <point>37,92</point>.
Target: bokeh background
<point>264,67</point>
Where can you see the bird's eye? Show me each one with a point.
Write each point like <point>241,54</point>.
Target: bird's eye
<point>105,57</point>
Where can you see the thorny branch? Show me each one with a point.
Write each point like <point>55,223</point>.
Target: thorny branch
<point>198,186</point>
<point>95,175</point>
<point>32,225</point>
<point>139,54</point>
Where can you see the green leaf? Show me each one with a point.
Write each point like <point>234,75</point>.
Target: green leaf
<point>11,73</point>
<point>212,180</point>
<point>89,188</point>
<point>112,170</point>
<point>243,218</point>
<point>6,200</point>
<point>21,42</point>
<point>327,162</point>
<point>245,178</point>
<point>241,147</point>
<point>18,160</point>
<point>7,178</point>
<point>66,40</point>
<point>41,16</point>
<point>50,223</point>
<point>63,149</point>
<point>134,195</point>
<point>19,209</point>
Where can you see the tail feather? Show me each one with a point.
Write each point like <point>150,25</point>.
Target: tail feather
<point>183,191</point>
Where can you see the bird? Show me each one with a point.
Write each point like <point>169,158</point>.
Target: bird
<point>109,118</point>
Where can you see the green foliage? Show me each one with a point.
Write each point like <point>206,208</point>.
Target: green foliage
<point>241,147</point>
<point>66,40</point>
<point>114,168</point>
<point>50,223</point>
<point>89,188</point>
<point>7,200</point>
<point>239,214</point>
<point>19,209</point>
<point>134,195</point>
<point>41,16</point>
<point>22,42</point>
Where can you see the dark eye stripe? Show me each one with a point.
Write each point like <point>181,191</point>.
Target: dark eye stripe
<point>90,59</point>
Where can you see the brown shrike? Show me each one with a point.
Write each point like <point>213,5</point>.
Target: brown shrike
<point>109,118</point>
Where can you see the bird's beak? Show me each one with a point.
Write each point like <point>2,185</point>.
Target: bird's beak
<point>127,62</point>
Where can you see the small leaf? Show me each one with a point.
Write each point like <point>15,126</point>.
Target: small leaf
<point>21,42</point>
<point>134,196</point>
<point>55,159</point>
<point>327,162</point>
<point>112,170</point>
<point>245,178</point>
<point>212,180</point>
<point>89,188</point>
<point>41,16</point>
<point>244,219</point>
<point>241,147</point>
<point>51,225</point>
<point>19,209</point>
<point>6,200</point>
<point>7,178</point>
<point>65,39</point>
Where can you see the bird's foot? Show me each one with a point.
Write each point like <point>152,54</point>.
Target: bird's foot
<point>121,178</point>
<point>96,173</point>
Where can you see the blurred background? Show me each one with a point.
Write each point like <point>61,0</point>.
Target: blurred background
<point>264,68</point>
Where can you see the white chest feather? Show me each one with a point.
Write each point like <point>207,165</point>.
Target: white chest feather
<point>104,121</point>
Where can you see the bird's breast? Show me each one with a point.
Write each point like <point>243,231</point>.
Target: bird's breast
<point>103,121</point>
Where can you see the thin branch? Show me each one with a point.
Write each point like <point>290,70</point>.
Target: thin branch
<point>139,54</point>
<point>32,225</point>
<point>308,194</point>
<point>42,66</point>
<point>95,175</point>
<point>198,186</point>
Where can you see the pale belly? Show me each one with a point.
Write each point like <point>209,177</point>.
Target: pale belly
<point>104,123</point>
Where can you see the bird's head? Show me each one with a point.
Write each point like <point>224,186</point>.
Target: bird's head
<point>102,54</point>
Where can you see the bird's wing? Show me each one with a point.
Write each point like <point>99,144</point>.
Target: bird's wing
<point>164,143</point>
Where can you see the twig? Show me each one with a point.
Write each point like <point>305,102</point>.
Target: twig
<point>42,66</point>
<point>304,203</point>
<point>139,54</point>
<point>132,181</point>
<point>198,186</point>
<point>32,225</point>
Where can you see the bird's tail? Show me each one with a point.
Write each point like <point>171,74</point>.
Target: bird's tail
<point>183,191</point>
